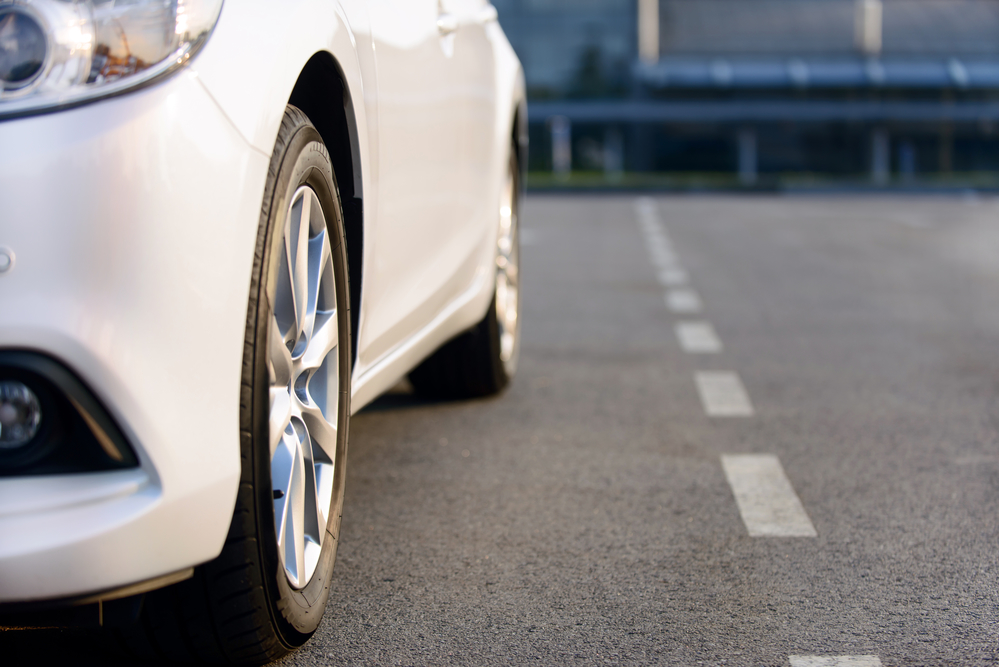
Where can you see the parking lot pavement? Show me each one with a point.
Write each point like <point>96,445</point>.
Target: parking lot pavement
<point>604,510</point>
<point>745,431</point>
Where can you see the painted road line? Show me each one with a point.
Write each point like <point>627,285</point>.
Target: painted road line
<point>835,661</point>
<point>698,337</point>
<point>658,244</point>
<point>662,258</point>
<point>683,301</point>
<point>672,277</point>
<point>657,238</point>
<point>722,394</point>
<point>660,250</point>
<point>645,206</point>
<point>648,226</point>
<point>647,220</point>
<point>767,502</point>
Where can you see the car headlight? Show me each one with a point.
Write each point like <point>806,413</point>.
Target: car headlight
<point>56,53</point>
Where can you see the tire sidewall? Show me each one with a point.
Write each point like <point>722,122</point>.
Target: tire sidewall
<point>304,162</point>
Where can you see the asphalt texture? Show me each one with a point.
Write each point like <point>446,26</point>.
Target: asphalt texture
<point>583,516</point>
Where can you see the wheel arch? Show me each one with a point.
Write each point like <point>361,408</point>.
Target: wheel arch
<point>519,133</point>
<point>519,139</point>
<point>322,94</point>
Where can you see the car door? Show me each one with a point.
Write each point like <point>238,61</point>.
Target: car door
<point>417,251</point>
<point>473,69</point>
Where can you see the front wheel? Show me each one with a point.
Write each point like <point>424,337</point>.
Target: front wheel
<point>266,592</point>
<point>483,360</point>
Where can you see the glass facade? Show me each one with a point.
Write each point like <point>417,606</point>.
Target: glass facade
<point>572,48</point>
<point>756,92</point>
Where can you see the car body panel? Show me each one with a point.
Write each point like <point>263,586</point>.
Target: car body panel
<point>118,264</point>
<point>149,247</point>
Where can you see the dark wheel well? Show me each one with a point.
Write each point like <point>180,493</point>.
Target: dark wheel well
<point>320,93</point>
<point>519,136</point>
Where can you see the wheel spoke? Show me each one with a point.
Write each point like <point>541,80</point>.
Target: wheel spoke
<point>284,300</point>
<point>297,241</point>
<point>323,434</point>
<point>295,533</point>
<point>279,356</point>
<point>322,454</point>
<point>319,259</point>
<point>314,517</point>
<point>324,491</point>
<point>325,338</point>
<point>280,415</point>
<point>283,469</point>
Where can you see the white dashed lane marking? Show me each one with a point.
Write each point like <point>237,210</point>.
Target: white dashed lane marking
<point>672,277</point>
<point>835,661</point>
<point>698,337</point>
<point>767,501</point>
<point>660,248</point>
<point>683,301</point>
<point>722,394</point>
<point>661,251</point>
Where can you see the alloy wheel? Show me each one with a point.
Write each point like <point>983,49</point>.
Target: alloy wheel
<point>304,388</point>
<point>508,275</point>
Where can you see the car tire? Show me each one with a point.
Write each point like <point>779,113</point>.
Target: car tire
<point>483,360</point>
<point>249,605</point>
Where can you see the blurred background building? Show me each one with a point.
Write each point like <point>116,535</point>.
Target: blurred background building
<point>760,93</point>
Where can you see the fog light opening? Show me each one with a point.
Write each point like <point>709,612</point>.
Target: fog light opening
<point>20,415</point>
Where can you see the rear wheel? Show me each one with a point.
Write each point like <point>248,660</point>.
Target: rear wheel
<point>265,594</point>
<point>483,360</point>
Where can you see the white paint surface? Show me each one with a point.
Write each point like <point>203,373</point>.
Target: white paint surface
<point>768,504</point>
<point>189,156</point>
<point>672,277</point>
<point>698,338</point>
<point>683,301</point>
<point>648,223</point>
<point>658,244</point>
<point>723,395</point>
<point>655,235</point>
<point>645,206</point>
<point>662,257</point>
<point>835,661</point>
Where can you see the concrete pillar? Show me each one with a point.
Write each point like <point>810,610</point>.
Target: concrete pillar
<point>747,157</point>
<point>561,130</point>
<point>880,156</point>
<point>648,30</point>
<point>867,26</point>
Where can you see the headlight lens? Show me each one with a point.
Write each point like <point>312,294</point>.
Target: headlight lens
<point>22,49</point>
<point>61,52</point>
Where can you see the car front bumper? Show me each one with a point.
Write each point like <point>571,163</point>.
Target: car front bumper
<point>133,222</point>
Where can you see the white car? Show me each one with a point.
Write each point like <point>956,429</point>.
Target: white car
<point>225,227</point>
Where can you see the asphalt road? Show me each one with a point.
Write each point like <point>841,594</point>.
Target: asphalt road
<point>586,516</point>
